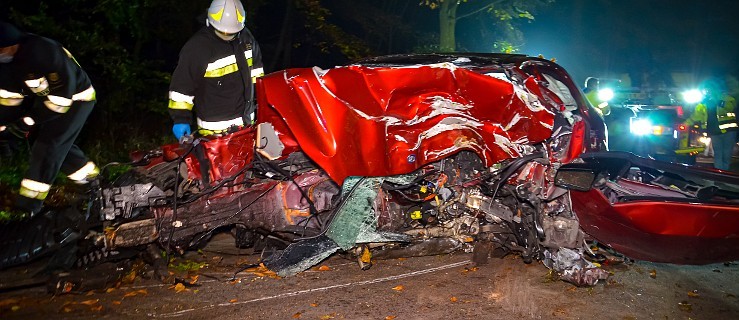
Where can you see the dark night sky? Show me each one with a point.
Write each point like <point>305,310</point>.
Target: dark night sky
<point>607,37</point>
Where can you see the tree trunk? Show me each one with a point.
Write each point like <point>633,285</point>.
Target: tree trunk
<point>447,23</point>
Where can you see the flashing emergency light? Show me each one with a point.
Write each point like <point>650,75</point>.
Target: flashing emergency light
<point>605,94</point>
<point>693,96</point>
<point>641,127</point>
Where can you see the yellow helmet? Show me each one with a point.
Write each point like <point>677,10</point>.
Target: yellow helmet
<point>226,16</point>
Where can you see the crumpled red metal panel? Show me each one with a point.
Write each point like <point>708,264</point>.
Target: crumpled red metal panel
<point>226,156</point>
<point>661,231</point>
<point>381,121</point>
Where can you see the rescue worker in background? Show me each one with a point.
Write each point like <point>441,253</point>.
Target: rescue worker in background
<point>717,115</point>
<point>216,73</point>
<point>591,93</point>
<point>61,98</point>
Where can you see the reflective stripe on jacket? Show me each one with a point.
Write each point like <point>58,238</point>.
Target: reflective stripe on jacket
<point>43,68</point>
<point>214,78</point>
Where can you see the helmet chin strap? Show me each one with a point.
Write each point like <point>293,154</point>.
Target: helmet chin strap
<point>225,38</point>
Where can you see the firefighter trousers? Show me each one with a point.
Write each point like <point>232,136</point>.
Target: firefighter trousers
<point>723,147</point>
<point>53,150</point>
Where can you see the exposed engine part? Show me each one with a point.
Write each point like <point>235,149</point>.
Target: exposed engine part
<point>462,228</point>
<point>126,202</point>
<point>427,247</point>
<point>130,234</point>
<point>561,232</point>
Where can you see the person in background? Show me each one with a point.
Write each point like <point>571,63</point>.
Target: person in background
<point>591,93</point>
<point>717,115</point>
<point>44,94</point>
<point>215,75</point>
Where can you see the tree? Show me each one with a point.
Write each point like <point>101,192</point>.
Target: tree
<point>502,12</point>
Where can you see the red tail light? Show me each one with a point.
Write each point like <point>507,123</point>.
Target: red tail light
<point>680,112</point>
<point>682,127</point>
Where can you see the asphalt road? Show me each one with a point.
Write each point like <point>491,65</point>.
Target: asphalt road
<point>438,287</point>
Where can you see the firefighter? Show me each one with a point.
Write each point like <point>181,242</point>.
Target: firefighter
<point>591,94</point>
<point>717,115</point>
<point>216,73</point>
<point>58,98</point>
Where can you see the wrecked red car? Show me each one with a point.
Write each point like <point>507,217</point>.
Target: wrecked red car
<point>407,155</point>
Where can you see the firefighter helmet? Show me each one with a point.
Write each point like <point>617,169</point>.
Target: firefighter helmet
<point>226,16</point>
<point>9,35</point>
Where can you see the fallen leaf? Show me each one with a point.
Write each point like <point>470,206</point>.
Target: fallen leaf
<point>297,315</point>
<point>97,308</point>
<point>109,290</point>
<point>179,287</point>
<point>129,277</point>
<point>324,268</point>
<point>90,293</point>
<point>390,318</point>
<point>693,294</point>
<point>15,308</point>
<point>116,302</point>
<point>136,293</point>
<point>235,281</point>
<point>399,288</point>
<point>453,299</point>
<point>90,302</point>
<point>466,270</point>
<point>402,259</point>
<point>233,300</point>
<point>366,256</point>
<point>314,304</point>
<point>653,274</point>
<point>194,279</point>
<point>67,309</point>
<point>328,316</point>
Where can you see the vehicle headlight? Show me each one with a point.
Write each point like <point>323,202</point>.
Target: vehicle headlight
<point>605,94</point>
<point>693,96</point>
<point>641,127</point>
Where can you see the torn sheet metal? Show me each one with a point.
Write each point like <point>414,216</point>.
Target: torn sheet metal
<point>354,222</point>
<point>573,268</point>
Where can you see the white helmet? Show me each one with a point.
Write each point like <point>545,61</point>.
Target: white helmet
<point>226,16</point>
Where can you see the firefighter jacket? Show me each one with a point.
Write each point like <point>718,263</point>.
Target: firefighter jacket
<point>60,99</point>
<point>716,116</point>
<point>43,68</point>
<point>603,108</point>
<point>215,79</point>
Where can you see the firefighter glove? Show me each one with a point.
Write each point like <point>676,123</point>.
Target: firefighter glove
<point>18,129</point>
<point>180,129</point>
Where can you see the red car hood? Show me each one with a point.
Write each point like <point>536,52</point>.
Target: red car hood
<point>380,121</point>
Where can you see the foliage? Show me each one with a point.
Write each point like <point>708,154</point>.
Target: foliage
<point>501,16</point>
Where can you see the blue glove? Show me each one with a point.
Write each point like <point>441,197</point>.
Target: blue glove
<point>180,129</point>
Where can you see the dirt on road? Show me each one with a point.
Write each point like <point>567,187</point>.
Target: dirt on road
<point>437,287</point>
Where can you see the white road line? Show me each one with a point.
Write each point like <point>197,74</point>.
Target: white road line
<point>220,274</point>
<point>300,292</point>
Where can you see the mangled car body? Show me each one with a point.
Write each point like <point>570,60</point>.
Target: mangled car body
<point>411,155</point>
